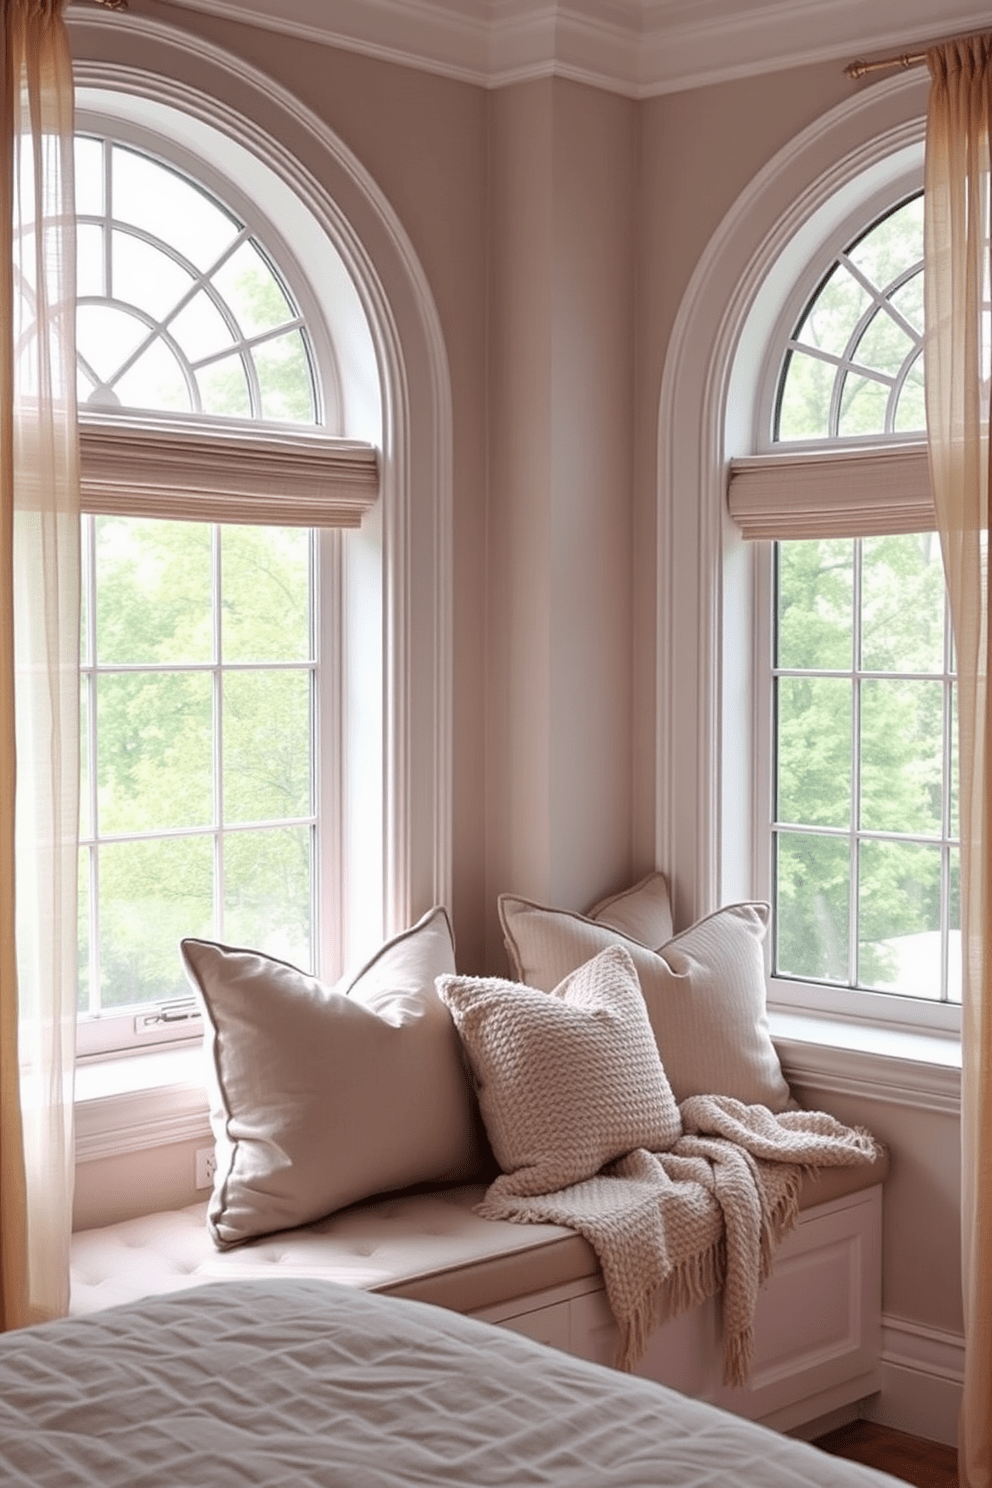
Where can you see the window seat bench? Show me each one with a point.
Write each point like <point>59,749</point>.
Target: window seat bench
<point>817,1330</point>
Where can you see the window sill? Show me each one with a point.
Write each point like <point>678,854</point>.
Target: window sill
<point>140,1101</point>
<point>146,1100</point>
<point>896,1065</point>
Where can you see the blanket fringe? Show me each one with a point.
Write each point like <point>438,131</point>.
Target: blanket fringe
<point>644,1285</point>
<point>688,1284</point>
<point>701,1276</point>
<point>738,1351</point>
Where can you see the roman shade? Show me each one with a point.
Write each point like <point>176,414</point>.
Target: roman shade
<point>833,493</point>
<point>212,472</point>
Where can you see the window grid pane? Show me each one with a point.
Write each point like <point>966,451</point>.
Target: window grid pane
<point>865,893</point>
<point>157,861</point>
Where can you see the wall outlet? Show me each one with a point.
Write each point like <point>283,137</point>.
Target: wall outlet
<point>206,1163</point>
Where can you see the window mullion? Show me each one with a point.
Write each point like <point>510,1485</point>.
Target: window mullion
<point>218,728</point>
<point>947,824</point>
<point>108,217</point>
<point>855,858</point>
<point>90,682</point>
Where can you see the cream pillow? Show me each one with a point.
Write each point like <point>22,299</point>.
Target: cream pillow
<point>704,990</point>
<point>566,1082</point>
<point>323,1096</point>
<point>642,913</point>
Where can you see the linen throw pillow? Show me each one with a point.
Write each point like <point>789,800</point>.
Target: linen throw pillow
<point>323,1096</point>
<point>566,1082</point>
<point>704,990</point>
<point>642,913</point>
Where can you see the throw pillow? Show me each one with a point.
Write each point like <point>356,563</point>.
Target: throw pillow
<point>323,1096</point>
<point>566,1082</point>
<point>704,990</point>
<point>642,913</point>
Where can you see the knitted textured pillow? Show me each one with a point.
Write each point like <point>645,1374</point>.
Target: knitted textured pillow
<point>704,990</point>
<point>567,1081</point>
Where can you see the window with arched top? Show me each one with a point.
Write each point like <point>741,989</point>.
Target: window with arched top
<point>857,726</point>
<point>215,489</point>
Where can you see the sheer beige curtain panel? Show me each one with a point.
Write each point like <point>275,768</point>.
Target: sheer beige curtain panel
<point>956,350</point>
<point>39,664</point>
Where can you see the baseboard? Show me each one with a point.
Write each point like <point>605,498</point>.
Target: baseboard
<point>922,1380</point>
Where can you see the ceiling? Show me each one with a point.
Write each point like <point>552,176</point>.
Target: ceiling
<point>635,47</point>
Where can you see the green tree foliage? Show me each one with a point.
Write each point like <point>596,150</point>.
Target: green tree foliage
<point>893,782</point>
<point>205,672</point>
<point>281,363</point>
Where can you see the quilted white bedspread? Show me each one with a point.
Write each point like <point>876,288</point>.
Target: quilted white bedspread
<point>304,1384</point>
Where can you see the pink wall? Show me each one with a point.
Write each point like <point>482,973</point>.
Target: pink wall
<point>561,161</point>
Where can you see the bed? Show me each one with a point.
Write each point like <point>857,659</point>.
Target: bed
<point>306,1384</point>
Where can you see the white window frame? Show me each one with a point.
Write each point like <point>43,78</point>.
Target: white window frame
<point>784,991</point>
<point>852,487</point>
<point>144,465</point>
<point>179,1021</point>
<point>744,296</point>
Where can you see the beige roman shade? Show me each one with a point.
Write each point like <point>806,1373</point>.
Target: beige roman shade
<point>828,493</point>
<point>213,473</point>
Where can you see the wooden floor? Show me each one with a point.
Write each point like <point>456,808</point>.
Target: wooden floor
<point>925,1463</point>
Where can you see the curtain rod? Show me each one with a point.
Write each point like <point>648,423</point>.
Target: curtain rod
<point>906,59</point>
<point>859,69</point>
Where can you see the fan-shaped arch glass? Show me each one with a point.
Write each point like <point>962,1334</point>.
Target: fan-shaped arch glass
<point>853,366</point>
<point>180,307</point>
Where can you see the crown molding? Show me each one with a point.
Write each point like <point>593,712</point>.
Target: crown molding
<point>639,48</point>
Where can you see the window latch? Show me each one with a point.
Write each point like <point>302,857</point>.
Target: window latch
<point>180,1010</point>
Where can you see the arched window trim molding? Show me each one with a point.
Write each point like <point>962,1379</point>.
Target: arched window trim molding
<point>209,84</point>
<point>709,411</point>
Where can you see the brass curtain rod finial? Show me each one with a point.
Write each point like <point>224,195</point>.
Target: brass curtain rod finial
<point>860,69</point>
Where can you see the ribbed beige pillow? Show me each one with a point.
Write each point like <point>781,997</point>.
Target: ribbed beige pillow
<point>323,1096</point>
<point>566,1082</point>
<point>704,990</point>
<point>643,912</point>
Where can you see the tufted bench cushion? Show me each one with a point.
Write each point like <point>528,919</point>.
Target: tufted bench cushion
<point>431,1247</point>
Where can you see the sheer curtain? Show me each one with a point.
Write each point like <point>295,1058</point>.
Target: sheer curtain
<point>957,267</point>
<point>39,636</point>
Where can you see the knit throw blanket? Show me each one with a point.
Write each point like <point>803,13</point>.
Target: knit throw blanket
<point>671,1228</point>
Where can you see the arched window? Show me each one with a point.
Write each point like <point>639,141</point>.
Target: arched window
<point>863,833</point>
<point>210,723</point>
<point>856,727</point>
<point>381,592</point>
<point>790,408</point>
